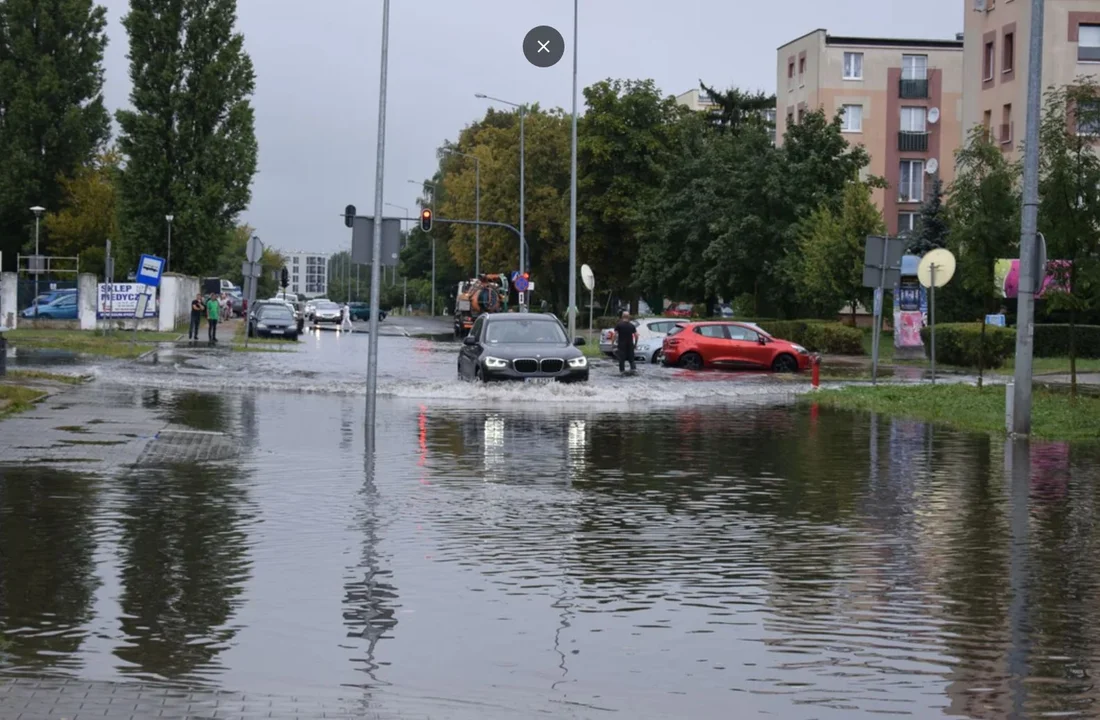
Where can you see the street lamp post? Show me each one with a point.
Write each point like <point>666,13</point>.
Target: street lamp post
<point>432,186</point>
<point>405,279</point>
<point>573,194</point>
<point>477,207</point>
<point>37,210</point>
<point>168,259</point>
<point>522,176</point>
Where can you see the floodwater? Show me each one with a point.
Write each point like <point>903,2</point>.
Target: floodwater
<point>664,546</point>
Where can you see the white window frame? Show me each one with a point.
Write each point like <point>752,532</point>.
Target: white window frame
<point>912,220</point>
<point>915,171</point>
<point>1084,29</point>
<point>851,60</point>
<point>914,112</point>
<point>989,60</point>
<point>913,70</point>
<point>846,124</point>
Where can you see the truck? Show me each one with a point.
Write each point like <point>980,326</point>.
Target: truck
<point>487,293</point>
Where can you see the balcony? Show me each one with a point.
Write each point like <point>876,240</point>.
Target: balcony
<point>913,89</point>
<point>912,141</point>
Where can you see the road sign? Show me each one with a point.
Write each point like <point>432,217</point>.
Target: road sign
<point>150,268</point>
<point>254,250</point>
<point>530,287</point>
<point>588,277</point>
<point>998,320</point>
<point>515,274</point>
<point>882,253</point>
<point>522,298</point>
<point>362,241</point>
<point>522,284</point>
<point>251,270</point>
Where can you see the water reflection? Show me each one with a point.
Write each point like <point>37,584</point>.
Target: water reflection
<point>47,566</point>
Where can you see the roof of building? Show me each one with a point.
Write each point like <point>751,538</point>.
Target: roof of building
<point>955,44</point>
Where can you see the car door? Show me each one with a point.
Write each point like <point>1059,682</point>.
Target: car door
<point>712,344</point>
<point>746,349</point>
<point>468,355</point>
<point>64,308</point>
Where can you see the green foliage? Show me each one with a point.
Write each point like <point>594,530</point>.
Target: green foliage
<point>1052,340</point>
<point>932,227</point>
<point>89,213</point>
<point>962,344</point>
<point>189,140</point>
<point>52,118</point>
<point>737,108</point>
<point>831,338</point>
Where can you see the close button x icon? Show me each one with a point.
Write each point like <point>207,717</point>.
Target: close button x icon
<point>544,46</point>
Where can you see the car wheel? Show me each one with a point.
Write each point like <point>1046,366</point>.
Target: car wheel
<point>691,361</point>
<point>785,364</point>
<point>656,357</point>
<point>478,377</point>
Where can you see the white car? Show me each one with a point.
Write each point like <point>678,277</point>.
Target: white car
<point>649,349</point>
<point>647,328</point>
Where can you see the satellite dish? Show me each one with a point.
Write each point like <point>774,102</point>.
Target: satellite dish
<point>934,115</point>
<point>588,278</point>
<point>944,263</point>
<point>932,166</point>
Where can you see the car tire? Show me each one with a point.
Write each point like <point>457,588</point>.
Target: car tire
<point>785,363</point>
<point>478,377</point>
<point>691,361</point>
<point>656,357</point>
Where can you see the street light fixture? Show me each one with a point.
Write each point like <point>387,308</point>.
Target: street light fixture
<point>522,175</point>
<point>573,194</point>
<point>477,206</point>
<point>168,260</point>
<point>37,210</point>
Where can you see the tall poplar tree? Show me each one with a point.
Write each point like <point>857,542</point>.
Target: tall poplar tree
<point>189,140</point>
<point>52,118</point>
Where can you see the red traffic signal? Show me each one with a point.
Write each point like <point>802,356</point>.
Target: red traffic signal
<point>426,220</point>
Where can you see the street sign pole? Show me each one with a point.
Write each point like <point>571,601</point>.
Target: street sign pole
<point>876,334</point>
<point>376,253</point>
<point>932,321</point>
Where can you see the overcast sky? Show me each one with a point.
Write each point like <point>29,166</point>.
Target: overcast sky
<point>317,66</point>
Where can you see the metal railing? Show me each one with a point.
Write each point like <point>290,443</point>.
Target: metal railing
<point>913,89</point>
<point>909,141</point>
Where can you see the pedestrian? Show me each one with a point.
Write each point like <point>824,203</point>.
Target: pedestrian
<point>626,338</point>
<point>212,315</point>
<point>196,317</point>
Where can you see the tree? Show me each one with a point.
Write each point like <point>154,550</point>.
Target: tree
<point>89,213</point>
<point>985,218</point>
<point>1070,205</point>
<point>189,141</point>
<point>52,118</point>
<point>623,152</point>
<point>737,107</point>
<point>932,229</point>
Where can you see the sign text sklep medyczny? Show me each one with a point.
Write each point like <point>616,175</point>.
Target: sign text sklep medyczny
<point>120,300</point>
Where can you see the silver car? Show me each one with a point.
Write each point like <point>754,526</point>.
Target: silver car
<point>327,313</point>
<point>647,328</point>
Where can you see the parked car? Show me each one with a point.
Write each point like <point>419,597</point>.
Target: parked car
<point>699,345</point>
<point>236,303</point>
<point>649,349</point>
<point>529,347</point>
<point>327,312</point>
<point>680,310</point>
<point>361,311</point>
<point>273,320</point>
<point>647,328</point>
<point>62,307</point>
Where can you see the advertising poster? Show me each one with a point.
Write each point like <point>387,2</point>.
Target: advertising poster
<point>1006,275</point>
<point>120,300</point>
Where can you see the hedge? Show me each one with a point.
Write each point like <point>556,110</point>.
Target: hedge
<point>821,336</point>
<point>1053,340</point>
<point>960,343</point>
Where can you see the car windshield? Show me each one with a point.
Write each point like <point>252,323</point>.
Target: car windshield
<point>327,306</point>
<point>525,331</point>
<point>275,312</point>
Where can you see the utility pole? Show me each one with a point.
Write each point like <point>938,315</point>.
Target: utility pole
<point>168,259</point>
<point>376,251</point>
<point>573,194</point>
<point>1029,223</point>
<point>37,210</point>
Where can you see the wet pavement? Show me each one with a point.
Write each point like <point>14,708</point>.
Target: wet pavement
<point>200,535</point>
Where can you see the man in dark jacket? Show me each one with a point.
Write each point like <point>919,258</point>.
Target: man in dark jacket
<point>626,338</point>
<point>197,309</point>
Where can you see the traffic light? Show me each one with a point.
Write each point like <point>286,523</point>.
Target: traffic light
<point>285,278</point>
<point>349,216</point>
<point>426,220</point>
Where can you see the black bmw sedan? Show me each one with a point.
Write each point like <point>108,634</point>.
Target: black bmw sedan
<point>528,347</point>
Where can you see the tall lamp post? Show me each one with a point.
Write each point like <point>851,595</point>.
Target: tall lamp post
<point>405,289</point>
<point>477,206</point>
<point>168,260</point>
<point>432,186</point>
<point>522,175</point>
<point>573,194</point>
<point>37,210</point>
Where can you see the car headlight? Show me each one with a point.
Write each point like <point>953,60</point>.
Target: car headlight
<point>800,350</point>
<point>261,326</point>
<point>493,362</point>
<point>579,362</point>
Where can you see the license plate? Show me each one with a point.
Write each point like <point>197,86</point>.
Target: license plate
<point>539,381</point>
<point>277,332</point>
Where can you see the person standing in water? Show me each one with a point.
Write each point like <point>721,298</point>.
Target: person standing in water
<point>626,338</point>
<point>212,314</point>
<point>197,309</point>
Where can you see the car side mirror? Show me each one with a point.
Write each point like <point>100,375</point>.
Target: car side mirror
<point>578,341</point>
<point>469,340</point>
<point>762,340</point>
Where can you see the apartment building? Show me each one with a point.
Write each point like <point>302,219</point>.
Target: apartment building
<point>996,59</point>
<point>308,273</point>
<point>701,101</point>
<point>901,99</point>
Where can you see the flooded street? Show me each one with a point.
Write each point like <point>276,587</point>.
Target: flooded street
<point>665,546</point>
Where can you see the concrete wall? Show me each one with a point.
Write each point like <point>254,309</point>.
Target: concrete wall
<point>87,292</point>
<point>9,293</point>
<point>176,292</point>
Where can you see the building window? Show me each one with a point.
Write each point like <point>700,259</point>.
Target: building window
<point>907,222</point>
<point>1088,43</point>
<point>1008,53</point>
<point>914,119</point>
<point>987,122</point>
<point>853,66</point>
<point>295,260</point>
<point>801,72</point>
<point>914,67</point>
<point>911,181</point>
<point>1088,117</point>
<point>1006,123</point>
<point>790,75</point>
<point>790,118</point>
<point>987,61</point>
<point>852,120</point>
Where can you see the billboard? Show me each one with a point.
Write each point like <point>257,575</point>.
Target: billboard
<point>1006,276</point>
<point>119,300</point>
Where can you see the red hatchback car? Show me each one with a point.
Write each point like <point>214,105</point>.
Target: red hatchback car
<point>737,346</point>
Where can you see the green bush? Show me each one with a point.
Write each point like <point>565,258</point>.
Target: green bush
<point>821,336</point>
<point>960,344</point>
<point>1053,341</point>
